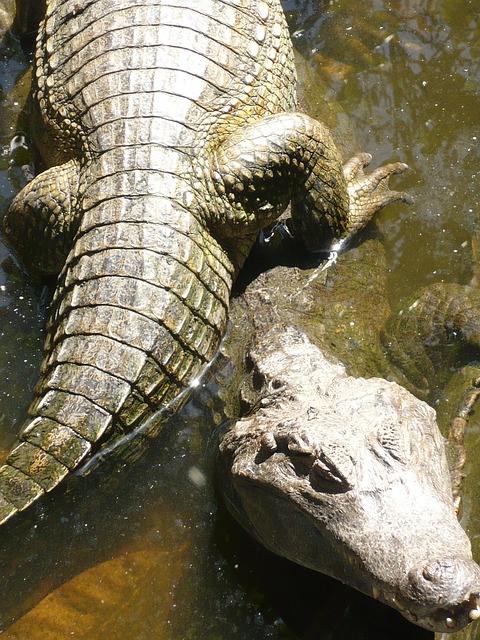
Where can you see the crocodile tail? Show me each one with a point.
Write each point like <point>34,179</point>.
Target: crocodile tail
<point>47,453</point>
<point>139,310</point>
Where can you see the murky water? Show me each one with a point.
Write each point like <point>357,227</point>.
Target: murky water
<point>158,555</point>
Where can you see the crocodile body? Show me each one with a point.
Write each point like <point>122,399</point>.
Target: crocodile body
<point>170,140</point>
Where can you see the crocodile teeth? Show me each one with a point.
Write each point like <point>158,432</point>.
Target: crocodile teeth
<point>474,614</point>
<point>474,602</point>
<point>398,604</point>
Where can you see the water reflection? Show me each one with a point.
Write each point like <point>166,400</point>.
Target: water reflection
<point>407,74</point>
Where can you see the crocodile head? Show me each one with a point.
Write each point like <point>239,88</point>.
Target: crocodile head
<point>349,477</point>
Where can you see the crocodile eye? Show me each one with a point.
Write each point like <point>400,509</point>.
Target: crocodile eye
<point>328,477</point>
<point>268,446</point>
<point>328,467</point>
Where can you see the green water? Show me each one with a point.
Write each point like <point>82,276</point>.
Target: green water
<point>407,73</point>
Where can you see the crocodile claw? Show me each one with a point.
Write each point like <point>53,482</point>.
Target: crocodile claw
<point>368,193</point>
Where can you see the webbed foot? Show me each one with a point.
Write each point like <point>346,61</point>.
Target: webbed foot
<point>368,193</point>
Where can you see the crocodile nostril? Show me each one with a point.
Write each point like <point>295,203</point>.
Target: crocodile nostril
<point>427,574</point>
<point>437,571</point>
<point>447,583</point>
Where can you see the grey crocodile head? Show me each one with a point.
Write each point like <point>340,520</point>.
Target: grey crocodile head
<point>349,477</point>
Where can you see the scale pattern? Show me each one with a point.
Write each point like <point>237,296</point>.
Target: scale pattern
<point>167,130</point>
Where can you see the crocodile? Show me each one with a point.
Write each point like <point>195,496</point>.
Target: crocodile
<point>342,474</point>
<point>169,138</point>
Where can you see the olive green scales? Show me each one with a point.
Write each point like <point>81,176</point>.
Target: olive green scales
<point>170,138</point>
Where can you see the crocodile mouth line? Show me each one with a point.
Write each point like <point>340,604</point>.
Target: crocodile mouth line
<point>446,619</point>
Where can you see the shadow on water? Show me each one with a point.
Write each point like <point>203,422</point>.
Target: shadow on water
<point>407,73</point>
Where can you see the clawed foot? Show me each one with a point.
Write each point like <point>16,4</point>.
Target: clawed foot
<point>368,193</point>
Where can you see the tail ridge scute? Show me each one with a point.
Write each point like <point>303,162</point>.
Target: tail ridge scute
<point>64,444</point>
<point>41,467</point>
<point>17,491</point>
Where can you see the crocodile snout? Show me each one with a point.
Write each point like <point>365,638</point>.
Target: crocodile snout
<point>446,593</point>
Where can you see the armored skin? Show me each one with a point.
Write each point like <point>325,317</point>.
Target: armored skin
<point>170,139</point>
